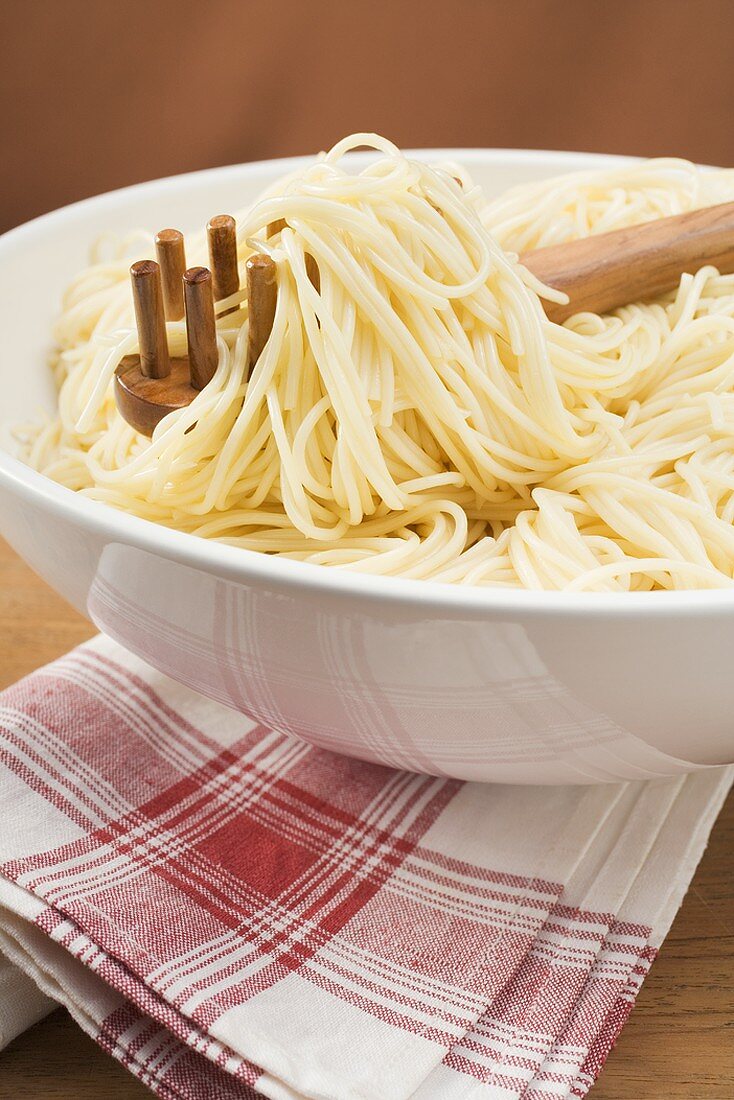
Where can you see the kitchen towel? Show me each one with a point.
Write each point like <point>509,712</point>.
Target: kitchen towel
<point>22,1003</point>
<point>230,912</point>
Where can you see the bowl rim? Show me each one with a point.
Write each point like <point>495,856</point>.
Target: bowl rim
<point>253,567</point>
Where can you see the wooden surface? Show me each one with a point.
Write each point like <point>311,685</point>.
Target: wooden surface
<point>678,1044</point>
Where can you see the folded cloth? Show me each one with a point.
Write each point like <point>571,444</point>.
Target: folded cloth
<point>22,1003</point>
<point>231,912</point>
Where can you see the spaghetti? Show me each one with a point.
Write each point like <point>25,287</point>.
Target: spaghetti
<point>416,413</point>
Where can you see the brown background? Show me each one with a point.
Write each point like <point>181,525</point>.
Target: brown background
<point>97,94</point>
<point>100,94</point>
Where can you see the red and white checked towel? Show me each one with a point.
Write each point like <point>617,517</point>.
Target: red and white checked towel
<point>229,912</point>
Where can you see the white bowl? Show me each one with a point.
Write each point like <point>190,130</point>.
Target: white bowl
<point>516,687</point>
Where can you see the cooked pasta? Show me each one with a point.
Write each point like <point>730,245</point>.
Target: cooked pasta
<point>418,415</point>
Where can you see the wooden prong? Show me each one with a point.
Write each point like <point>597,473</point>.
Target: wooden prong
<point>275,227</point>
<point>312,268</point>
<point>148,301</point>
<point>222,235</point>
<point>169,249</point>
<point>201,330</point>
<point>262,297</point>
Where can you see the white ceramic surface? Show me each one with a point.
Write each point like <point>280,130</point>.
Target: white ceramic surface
<point>503,686</point>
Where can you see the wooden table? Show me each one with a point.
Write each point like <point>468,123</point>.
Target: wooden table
<point>678,1045</point>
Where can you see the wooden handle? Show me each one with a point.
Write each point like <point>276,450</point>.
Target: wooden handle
<point>148,301</point>
<point>222,235</point>
<point>169,249</point>
<point>262,297</point>
<point>201,330</point>
<point>634,264</point>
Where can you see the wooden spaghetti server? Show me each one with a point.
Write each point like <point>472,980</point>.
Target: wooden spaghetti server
<point>152,383</point>
<point>598,273</point>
